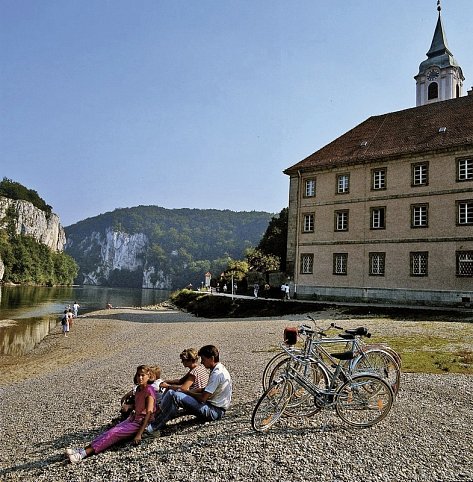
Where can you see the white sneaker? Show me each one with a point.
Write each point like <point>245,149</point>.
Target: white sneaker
<point>75,458</point>
<point>70,451</point>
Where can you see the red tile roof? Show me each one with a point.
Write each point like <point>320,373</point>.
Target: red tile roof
<point>399,133</point>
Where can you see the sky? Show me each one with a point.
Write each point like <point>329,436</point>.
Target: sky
<point>107,104</point>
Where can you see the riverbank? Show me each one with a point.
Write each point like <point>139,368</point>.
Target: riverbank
<point>67,390</point>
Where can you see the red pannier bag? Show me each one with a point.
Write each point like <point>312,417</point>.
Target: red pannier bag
<point>290,335</point>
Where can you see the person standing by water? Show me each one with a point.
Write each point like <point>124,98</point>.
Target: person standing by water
<point>70,318</point>
<point>65,323</point>
<point>75,308</point>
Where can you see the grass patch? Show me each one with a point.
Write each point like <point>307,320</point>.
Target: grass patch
<point>432,354</point>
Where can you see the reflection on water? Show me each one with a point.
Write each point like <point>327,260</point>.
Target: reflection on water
<point>37,309</point>
<point>18,338</point>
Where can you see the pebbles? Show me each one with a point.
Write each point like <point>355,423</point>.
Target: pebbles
<point>427,436</point>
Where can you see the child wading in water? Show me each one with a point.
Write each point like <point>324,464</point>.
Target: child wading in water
<point>132,427</point>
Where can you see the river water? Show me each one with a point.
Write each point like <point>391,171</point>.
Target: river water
<point>28,313</point>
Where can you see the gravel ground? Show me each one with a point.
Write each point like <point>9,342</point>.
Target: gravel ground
<point>66,391</point>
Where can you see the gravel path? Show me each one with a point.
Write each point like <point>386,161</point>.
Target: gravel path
<point>68,389</point>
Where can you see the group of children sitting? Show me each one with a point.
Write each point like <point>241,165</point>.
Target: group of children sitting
<point>152,401</point>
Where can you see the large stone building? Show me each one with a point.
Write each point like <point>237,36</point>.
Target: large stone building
<point>385,212</point>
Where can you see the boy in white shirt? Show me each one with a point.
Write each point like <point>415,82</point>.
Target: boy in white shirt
<point>208,403</point>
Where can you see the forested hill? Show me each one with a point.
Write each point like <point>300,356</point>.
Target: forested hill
<point>151,246</point>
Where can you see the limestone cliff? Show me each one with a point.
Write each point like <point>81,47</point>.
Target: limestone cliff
<point>31,221</point>
<point>115,252</point>
<point>154,247</point>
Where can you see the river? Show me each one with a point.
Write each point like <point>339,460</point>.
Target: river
<point>28,313</point>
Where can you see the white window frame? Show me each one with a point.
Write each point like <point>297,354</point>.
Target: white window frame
<point>420,174</point>
<point>307,263</point>
<point>420,215</point>
<point>465,169</point>
<point>310,188</point>
<point>340,264</point>
<point>465,264</point>
<point>375,218</point>
<point>419,263</point>
<point>343,183</point>
<point>465,212</point>
<point>341,220</point>
<point>377,264</point>
<point>308,224</point>
<point>378,177</point>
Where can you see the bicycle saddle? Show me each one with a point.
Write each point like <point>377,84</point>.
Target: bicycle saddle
<point>346,355</point>
<point>360,331</point>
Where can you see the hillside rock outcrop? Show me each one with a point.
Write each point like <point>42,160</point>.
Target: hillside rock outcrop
<point>114,251</point>
<point>31,221</point>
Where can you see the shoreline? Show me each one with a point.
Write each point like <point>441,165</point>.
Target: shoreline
<point>68,389</point>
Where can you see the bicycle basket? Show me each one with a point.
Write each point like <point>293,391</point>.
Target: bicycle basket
<point>290,335</point>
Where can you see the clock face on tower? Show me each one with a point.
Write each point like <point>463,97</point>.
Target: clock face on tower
<point>432,75</point>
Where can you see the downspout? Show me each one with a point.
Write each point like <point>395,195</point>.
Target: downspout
<point>298,210</point>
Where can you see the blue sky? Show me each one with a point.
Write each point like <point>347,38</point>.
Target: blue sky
<point>200,104</point>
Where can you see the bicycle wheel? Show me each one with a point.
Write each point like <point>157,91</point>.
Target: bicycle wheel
<point>270,367</point>
<point>301,403</point>
<point>380,363</point>
<point>271,405</point>
<point>364,400</point>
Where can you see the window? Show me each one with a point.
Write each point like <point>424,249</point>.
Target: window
<point>307,263</point>
<point>378,179</point>
<point>308,226</point>
<point>465,212</point>
<point>378,218</point>
<point>343,183</point>
<point>309,190</point>
<point>465,263</point>
<point>341,220</point>
<point>340,261</point>
<point>465,170</point>
<point>433,91</point>
<point>419,216</point>
<point>419,263</point>
<point>377,264</point>
<point>420,174</point>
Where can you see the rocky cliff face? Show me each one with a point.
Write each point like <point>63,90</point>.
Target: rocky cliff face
<point>31,221</point>
<point>118,251</point>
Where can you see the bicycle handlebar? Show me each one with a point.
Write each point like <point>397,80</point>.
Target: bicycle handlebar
<point>360,331</point>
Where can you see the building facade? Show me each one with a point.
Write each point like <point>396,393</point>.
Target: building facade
<point>385,212</point>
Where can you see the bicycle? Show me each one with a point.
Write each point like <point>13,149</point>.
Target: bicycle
<point>360,399</point>
<point>378,358</point>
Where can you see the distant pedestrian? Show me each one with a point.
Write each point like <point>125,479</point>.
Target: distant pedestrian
<point>283,291</point>
<point>75,309</point>
<point>225,288</point>
<point>266,289</point>
<point>65,323</point>
<point>286,292</point>
<point>256,290</point>
<point>70,317</point>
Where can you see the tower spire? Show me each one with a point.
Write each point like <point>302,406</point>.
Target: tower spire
<point>439,77</point>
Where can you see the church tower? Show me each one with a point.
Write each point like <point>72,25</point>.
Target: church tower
<point>439,77</point>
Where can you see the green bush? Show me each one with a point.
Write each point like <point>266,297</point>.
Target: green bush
<point>29,262</point>
<point>15,190</point>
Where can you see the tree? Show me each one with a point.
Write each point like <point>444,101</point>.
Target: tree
<point>274,240</point>
<point>261,262</point>
<point>236,268</point>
